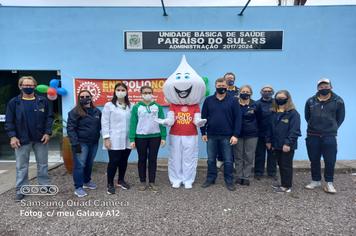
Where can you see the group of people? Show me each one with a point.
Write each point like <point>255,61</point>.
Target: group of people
<point>239,131</point>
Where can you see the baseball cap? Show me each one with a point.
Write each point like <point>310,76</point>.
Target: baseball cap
<point>324,80</point>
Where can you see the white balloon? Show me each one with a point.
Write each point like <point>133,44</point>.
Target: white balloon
<point>184,86</point>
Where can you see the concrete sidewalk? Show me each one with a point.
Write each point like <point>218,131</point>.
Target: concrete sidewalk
<point>8,169</point>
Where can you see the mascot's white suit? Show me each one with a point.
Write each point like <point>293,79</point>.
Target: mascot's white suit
<point>184,90</point>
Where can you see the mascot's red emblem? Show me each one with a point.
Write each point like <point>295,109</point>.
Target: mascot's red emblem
<point>184,109</point>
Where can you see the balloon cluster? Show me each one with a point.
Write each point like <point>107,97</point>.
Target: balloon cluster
<point>206,81</point>
<point>53,90</point>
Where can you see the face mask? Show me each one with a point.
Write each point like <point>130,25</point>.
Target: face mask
<point>230,82</point>
<point>221,90</point>
<point>324,92</point>
<point>85,101</point>
<point>147,97</point>
<point>28,90</point>
<point>267,95</point>
<point>120,94</point>
<point>281,102</point>
<point>244,96</point>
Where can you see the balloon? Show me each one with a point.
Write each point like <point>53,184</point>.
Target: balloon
<point>62,91</point>
<point>52,98</point>
<point>54,83</point>
<point>52,91</point>
<point>42,88</point>
<point>206,81</point>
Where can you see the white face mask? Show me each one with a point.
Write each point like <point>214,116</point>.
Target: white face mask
<point>120,94</point>
<point>147,97</point>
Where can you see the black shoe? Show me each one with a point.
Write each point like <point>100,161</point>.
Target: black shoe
<point>258,177</point>
<point>276,185</point>
<point>207,184</point>
<point>111,189</point>
<point>246,182</point>
<point>122,184</point>
<point>239,181</point>
<point>230,187</point>
<point>19,197</point>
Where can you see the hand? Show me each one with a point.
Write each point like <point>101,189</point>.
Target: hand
<point>163,143</point>
<point>204,138</point>
<point>233,140</point>
<point>286,148</point>
<point>160,121</point>
<point>201,123</point>
<point>133,145</point>
<point>269,146</point>
<point>45,139</point>
<point>107,143</point>
<point>78,148</point>
<point>15,142</point>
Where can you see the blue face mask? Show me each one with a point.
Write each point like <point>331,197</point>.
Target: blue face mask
<point>230,82</point>
<point>28,90</point>
<point>245,96</point>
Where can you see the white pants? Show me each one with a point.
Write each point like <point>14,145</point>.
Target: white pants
<point>183,161</point>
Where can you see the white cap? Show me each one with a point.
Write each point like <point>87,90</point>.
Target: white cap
<point>324,80</point>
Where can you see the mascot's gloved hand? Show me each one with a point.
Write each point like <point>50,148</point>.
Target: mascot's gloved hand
<point>198,121</point>
<point>169,121</point>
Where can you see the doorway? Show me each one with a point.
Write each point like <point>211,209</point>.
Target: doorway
<point>8,90</point>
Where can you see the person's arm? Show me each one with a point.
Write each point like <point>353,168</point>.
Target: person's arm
<point>162,127</point>
<point>204,115</point>
<point>307,111</point>
<point>340,112</point>
<point>105,122</point>
<point>294,129</point>
<point>50,118</point>
<point>72,127</point>
<point>237,118</point>
<point>10,118</point>
<point>133,124</point>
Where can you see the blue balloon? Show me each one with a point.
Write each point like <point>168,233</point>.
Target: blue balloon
<point>54,83</point>
<point>62,91</point>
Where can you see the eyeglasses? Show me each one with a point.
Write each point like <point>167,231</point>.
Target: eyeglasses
<point>84,96</point>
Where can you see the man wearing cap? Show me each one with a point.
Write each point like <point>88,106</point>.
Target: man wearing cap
<point>324,112</point>
<point>264,112</point>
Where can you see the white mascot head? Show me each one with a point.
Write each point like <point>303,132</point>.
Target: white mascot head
<point>184,86</point>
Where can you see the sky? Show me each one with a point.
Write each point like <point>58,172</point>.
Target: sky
<point>167,2</point>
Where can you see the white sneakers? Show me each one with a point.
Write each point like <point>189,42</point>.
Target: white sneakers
<point>329,186</point>
<point>313,185</point>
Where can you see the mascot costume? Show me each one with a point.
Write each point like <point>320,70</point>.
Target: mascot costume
<point>184,90</point>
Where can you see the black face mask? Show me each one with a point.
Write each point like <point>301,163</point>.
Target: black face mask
<point>281,102</point>
<point>245,96</point>
<point>85,101</point>
<point>28,90</point>
<point>324,92</point>
<point>221,90</point>
<point>267,95</point>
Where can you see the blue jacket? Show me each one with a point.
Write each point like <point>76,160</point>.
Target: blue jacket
<point>15,121</point>
<point>284,129</point>
<point>223,116</point>
<point>84,129</point>
<point>264,114</point>
<point>249,127</point>
<point>324,118</point>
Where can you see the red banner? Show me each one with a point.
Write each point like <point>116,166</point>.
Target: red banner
<point>103,89</point>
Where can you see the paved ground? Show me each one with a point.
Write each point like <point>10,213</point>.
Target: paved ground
<point>253,210</point>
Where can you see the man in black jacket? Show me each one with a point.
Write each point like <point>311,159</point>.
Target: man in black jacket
<point>324,113</point>
<point>28,123</point>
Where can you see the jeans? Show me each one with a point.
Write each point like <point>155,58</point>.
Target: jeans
<point>117,160</point>
<point>147,148</point>
<point>260,159</point>
<point>214,143</point>
<point>22,162</point>
<point>322,146</point>
<point>244,152</point>
<point>285,163</point>
<point>83,163</point>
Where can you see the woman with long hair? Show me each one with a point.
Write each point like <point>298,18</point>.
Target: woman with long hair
<point>83,129</point>
<point>282,137</point>
<point>115,124</point>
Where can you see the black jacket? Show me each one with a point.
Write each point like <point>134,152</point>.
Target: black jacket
<point>264,114</point>
<point>15,121</point>
<point>284,129</point>
<point>249,127</point>
<point>324,118</point>
<point>84,129</point>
